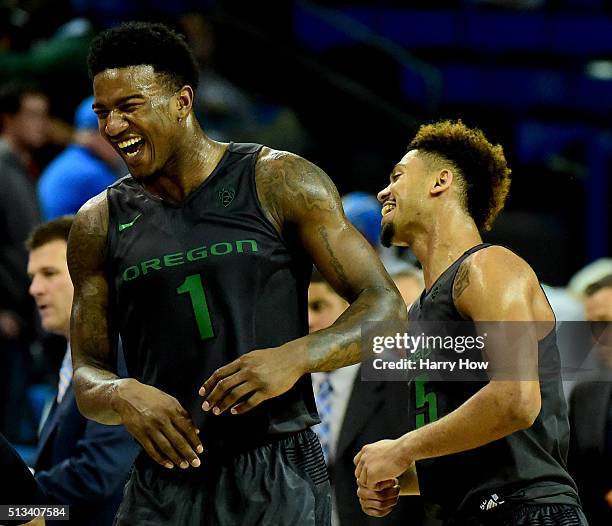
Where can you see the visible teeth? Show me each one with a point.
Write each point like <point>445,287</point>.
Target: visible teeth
<point>129,142</point>
<point>387,208</point>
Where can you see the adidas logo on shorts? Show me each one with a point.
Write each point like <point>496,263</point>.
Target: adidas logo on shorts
<point>491,502</point>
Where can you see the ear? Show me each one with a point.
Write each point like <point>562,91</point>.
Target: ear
<point>184,101</point>
<point>442,182</point>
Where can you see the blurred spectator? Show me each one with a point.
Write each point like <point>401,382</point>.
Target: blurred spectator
<point>79,462</point>
<point>65,52</point>
<point>410,283</point>
<point>36,47</point>
<point>353,413</point>
<point>598,301</point>
<point>81,171</point>
<point>564,304</point>
<point>23,124</point>
<point>24,114</point>
<point>566,308</point>
<point>21,488</point>
<point>363,210</point>
<point>588,274</point>
<point>590,458</point>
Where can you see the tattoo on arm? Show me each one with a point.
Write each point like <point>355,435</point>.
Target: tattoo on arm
<point>340,345</point>
<point>295,192</point>
<point>298,195</point>
<point>462,280</point>
<point>89,334</point>
<point>336,264</point>
<point>288,185</point>
<point>337,355</point>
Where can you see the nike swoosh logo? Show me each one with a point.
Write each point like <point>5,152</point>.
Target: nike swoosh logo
<point>123,226</point>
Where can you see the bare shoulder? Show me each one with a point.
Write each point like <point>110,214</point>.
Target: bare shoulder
<point>96,210</point>
<point>498,264</point>
<point>87,241</point>
<point>496,279</point>
<point>289,186</point>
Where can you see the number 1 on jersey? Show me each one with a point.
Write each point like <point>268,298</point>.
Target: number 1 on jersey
<point>193,286</point>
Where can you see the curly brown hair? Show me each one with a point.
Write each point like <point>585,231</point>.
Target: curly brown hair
<point>481,166</point>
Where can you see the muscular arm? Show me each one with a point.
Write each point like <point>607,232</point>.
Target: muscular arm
<point>481,293</point>
<point>303,202</point>
<point>94,379</point>
<point>154,418</point>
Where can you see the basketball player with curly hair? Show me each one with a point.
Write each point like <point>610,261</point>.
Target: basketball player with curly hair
<point>488,451</point>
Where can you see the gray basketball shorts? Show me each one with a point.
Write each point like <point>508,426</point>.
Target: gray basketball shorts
<point>526,514</point>
<point>281,483</point>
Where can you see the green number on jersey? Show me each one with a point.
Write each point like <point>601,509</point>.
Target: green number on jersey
<point>425,402</point>
<point>193,286</point>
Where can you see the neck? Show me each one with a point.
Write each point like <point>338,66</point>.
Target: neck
<point>192,163</point>
<point>442,242</point>
<point>20,151</point>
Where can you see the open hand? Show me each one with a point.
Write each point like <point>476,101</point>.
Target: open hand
<point>249,380</point>
<point>159,423</point>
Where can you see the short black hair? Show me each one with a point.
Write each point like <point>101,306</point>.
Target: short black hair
<point>144,43</point>
<point>603,283</point>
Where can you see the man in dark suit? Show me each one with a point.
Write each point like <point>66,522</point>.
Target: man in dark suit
<point>354,413</point>
<point>20,488</point>
<point>590,411</point>
<point>79,462</point>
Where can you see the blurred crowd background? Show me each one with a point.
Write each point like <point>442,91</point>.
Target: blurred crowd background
<point>343,83</point>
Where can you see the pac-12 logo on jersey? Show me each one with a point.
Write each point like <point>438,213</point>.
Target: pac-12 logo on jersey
<point>226,196</point>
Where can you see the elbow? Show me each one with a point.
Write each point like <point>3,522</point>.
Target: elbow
<point>524,407</point>
<point>401,309</point>
<point>77,386</point>
<point>80,394</point>
<point>82,403</point>
<point>386,304</point>
<point>397,307</point>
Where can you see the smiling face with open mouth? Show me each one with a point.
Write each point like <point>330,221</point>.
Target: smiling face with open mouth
<point>403,200</point>
<point>131,147</point>
<point>134,106</point>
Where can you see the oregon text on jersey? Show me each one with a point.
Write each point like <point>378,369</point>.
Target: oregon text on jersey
<point>180,258</point>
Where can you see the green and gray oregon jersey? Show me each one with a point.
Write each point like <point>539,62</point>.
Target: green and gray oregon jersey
<point>198,284</point>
